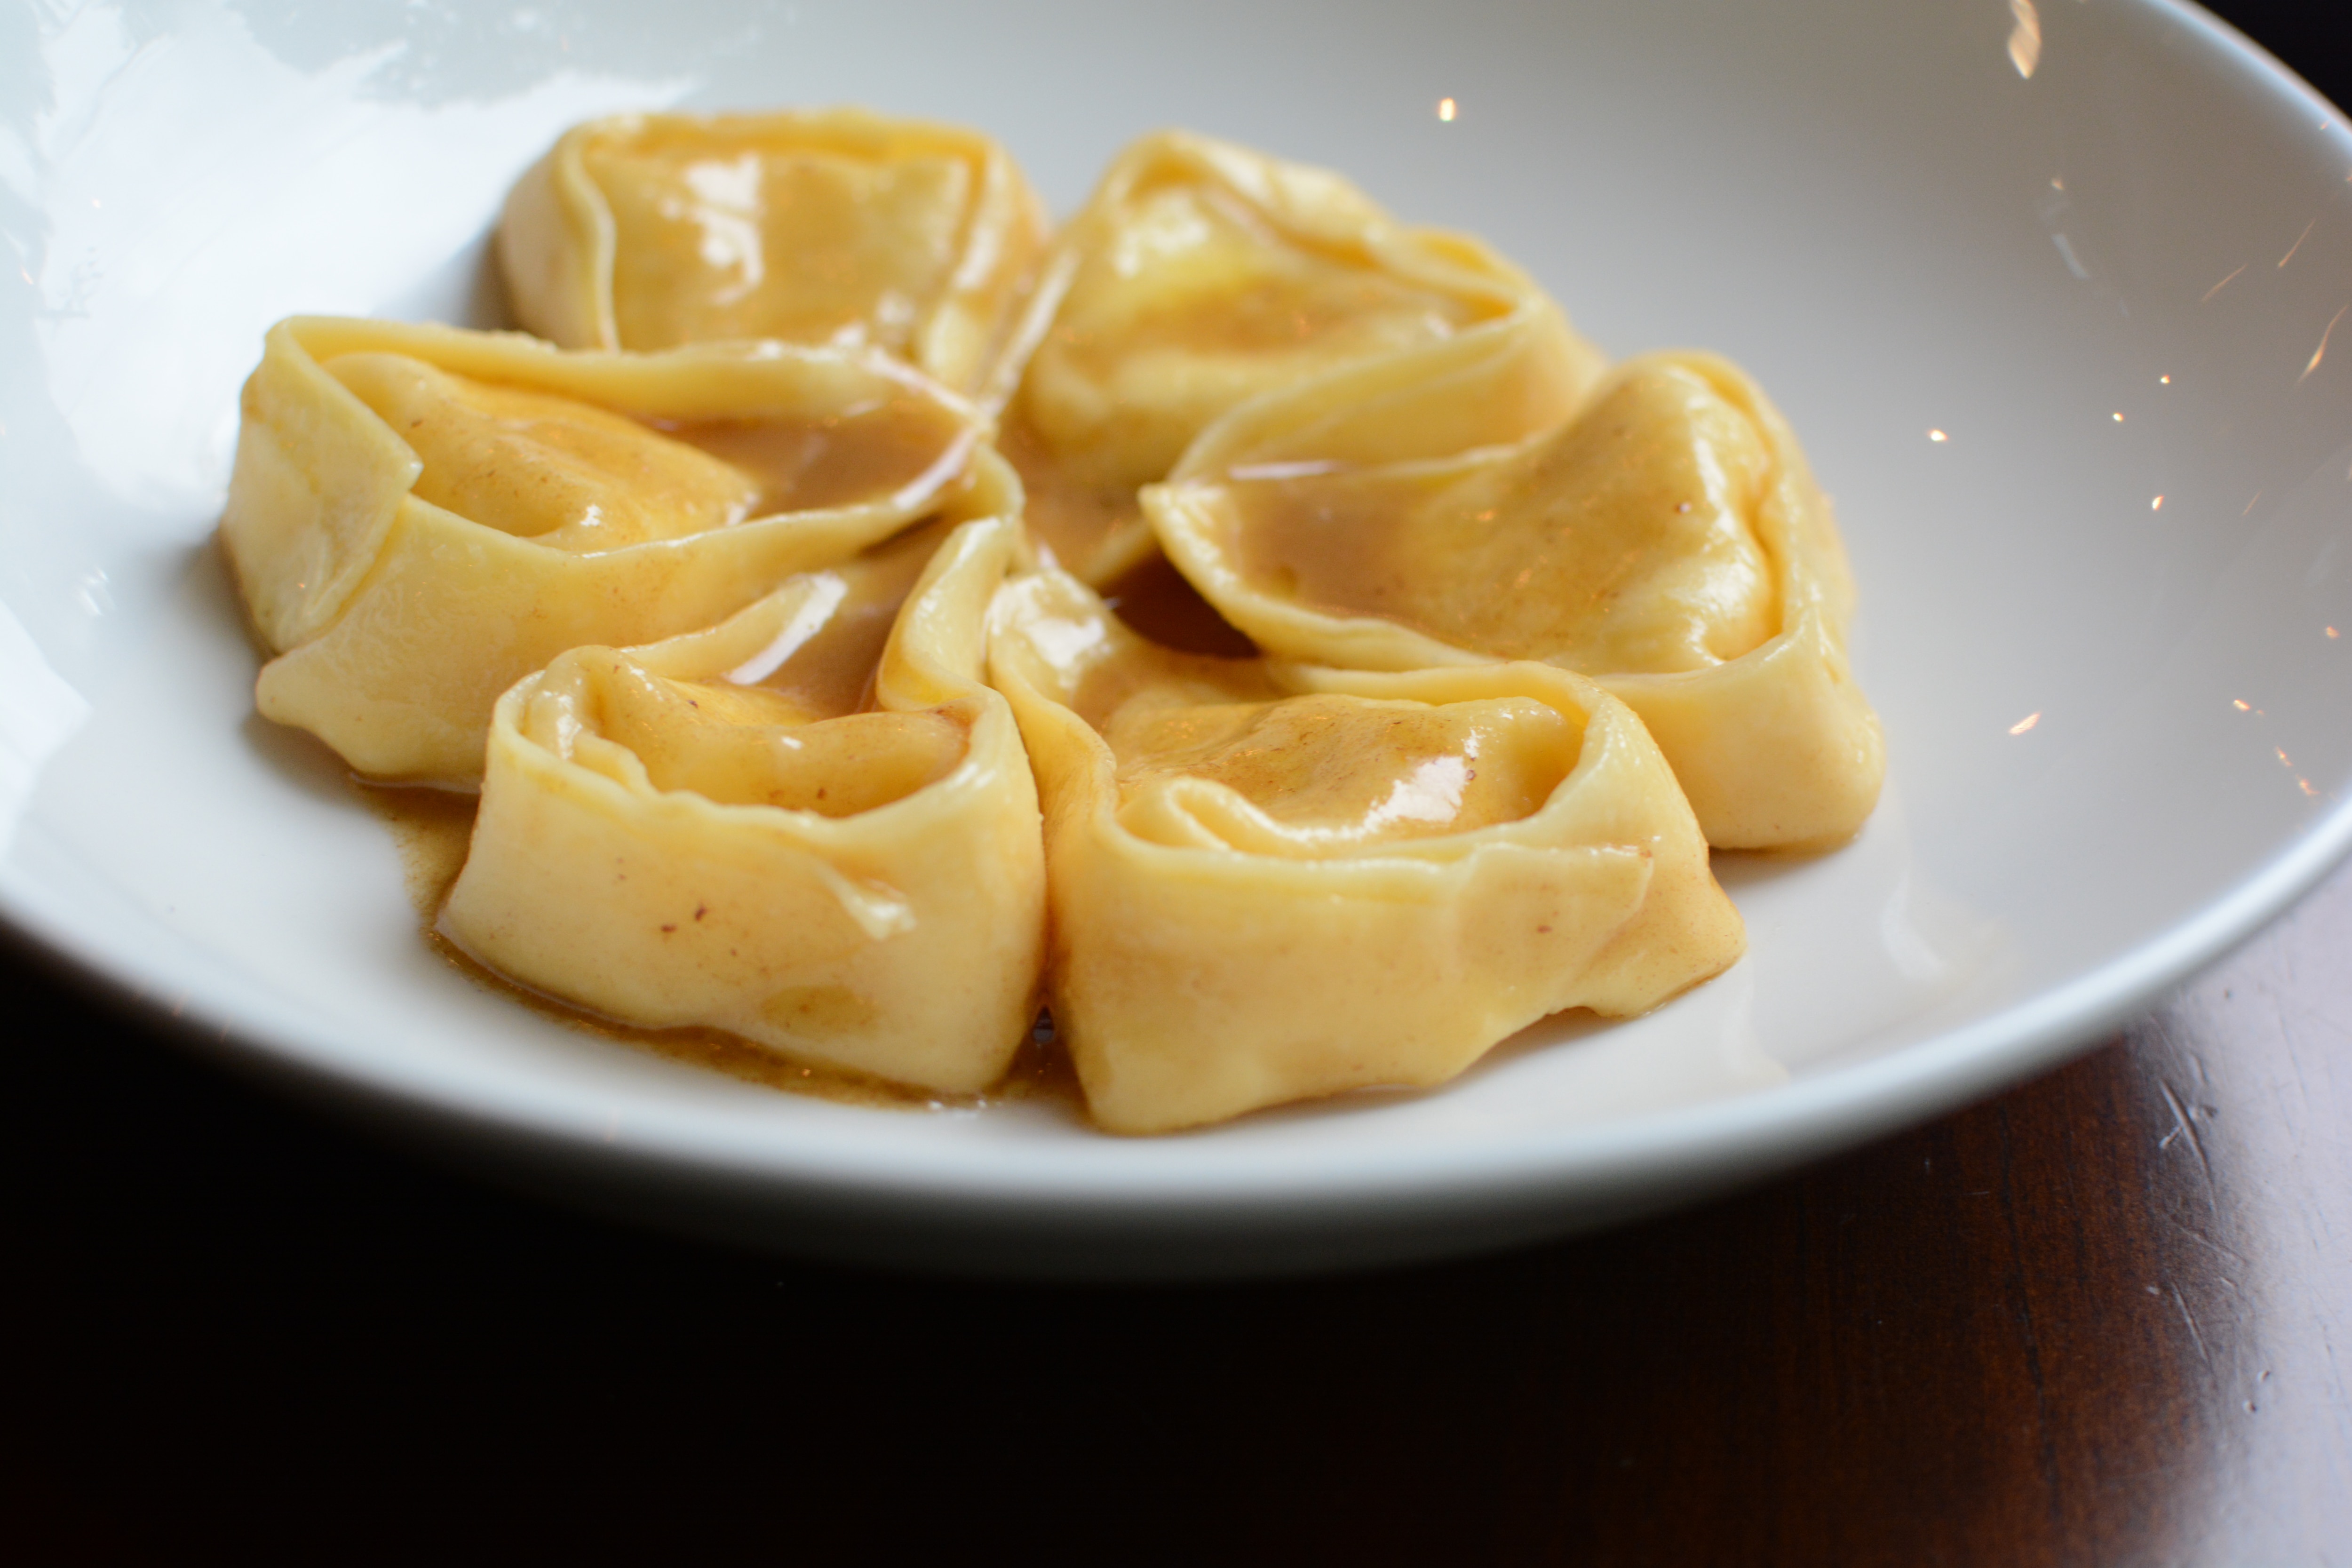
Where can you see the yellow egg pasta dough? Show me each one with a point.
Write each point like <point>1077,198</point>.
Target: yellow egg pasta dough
<point>1668,542</point>
<point>421,516</point>
<point>650,231</point>
<point>1271,883</point>
<point>782,826</point>
<point>772,596</point>
<point>1201,275</point>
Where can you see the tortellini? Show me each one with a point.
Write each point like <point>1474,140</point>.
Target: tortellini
<point>723,830</point>
<point>764,604</point>
<point>1270,883</point>
<point>1201,275</point>
<point>1668,541</point>
<point>420,516</point>
<point>647,231</point>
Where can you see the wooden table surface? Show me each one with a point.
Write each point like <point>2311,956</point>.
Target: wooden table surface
<point>2106,1318</point>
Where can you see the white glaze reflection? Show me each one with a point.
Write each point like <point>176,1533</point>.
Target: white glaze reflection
<point>2056,206</point>
<point>130,259</point>
<point>39,713</point>
<point>826,590</point>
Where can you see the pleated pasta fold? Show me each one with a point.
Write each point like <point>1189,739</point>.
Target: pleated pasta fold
<point>421,516</point>
<point>784,826</point>
<point>1276,882</point>
<point>835,227</point>
<point>767,597</point>
<point>1668,541</point>
<point>1202,275</point>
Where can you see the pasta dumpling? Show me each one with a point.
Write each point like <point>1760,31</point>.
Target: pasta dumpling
<point>1201,275</point>
<point>783,825</point>
<point>650,231</point>
<point>420,516</point>
<point>1260,631</point>
<point>1275,883</point>
<point>1667,540</point>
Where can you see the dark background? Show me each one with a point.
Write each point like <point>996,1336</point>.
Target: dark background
<point>2098,1320</point>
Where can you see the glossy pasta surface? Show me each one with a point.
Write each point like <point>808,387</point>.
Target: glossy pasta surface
<point>1202,275</point>
<point>835,227</point>
<point>420,516</point>
<point>1258,630</point>
<point>1273,883</point>
<point>811,825</point>
<point>1667,540</point>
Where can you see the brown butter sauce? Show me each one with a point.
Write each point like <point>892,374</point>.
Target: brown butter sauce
<point>809,464</point>
<point>834,672</point>
<point>1157,601</point>
<point>432,829</point>
<point>1074,518</point>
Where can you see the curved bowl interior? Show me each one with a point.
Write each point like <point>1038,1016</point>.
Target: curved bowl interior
<point>2050,304</point>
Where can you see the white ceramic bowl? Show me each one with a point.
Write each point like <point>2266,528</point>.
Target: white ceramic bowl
<point>2048,296</point>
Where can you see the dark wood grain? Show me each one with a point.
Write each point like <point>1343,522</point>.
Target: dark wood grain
<point>2104,1318</point>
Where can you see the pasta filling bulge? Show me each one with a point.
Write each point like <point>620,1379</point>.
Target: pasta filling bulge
<point>795,726</point>
<point>1199,277</point>
<point>1622,542</point>
<point>809,825</point>
<point>1273,882</point>
<point>1667,539</point>
<point>581,478</point>
<point>831,228</point>
<point>802,244</point>
<point>1192,305</point>
<point>1331,774</point>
